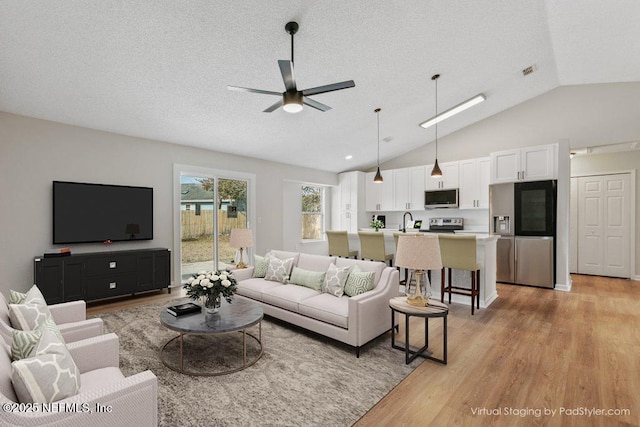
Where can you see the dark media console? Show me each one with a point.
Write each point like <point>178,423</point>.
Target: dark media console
<point>99,275</point>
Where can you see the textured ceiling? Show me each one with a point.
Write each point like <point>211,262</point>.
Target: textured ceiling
<point>160,69</point>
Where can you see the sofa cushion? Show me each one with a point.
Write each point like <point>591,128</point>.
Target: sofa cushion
<point>260,263</point>
<point>279,270</point>
<point>375,266</point>
<point>327,308</point>
<point>285,255</point>
<point>335,279</point>
<point>99,378</point>
<point>315,262</point>
<point>49,376</point>
<point>358,281</point>
<point>310,279</point>
<point>287,296</point>
<point>254,288</point>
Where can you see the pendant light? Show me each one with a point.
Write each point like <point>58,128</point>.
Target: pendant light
<point>378,177</point>
<point>436,172</point>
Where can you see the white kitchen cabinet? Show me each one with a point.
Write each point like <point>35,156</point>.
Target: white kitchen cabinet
<point>379,195</point>
<point>409,186</point>
<point>474,183</point>
<point>350,204</point>
<point>525,164</point>
<point>449,178</point>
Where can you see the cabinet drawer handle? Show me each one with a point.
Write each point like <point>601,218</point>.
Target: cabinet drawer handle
<point>112,264</point>
<point>112,285</point>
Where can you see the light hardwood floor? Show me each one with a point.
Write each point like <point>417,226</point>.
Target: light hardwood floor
<point>533,350</point>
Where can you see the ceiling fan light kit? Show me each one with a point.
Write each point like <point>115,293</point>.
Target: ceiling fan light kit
<point>293,99</point>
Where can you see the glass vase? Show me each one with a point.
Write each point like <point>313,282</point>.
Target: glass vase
<point>212,304</point>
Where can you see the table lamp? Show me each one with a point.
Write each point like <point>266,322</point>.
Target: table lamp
<point>241,238</point>
<point>419,253</point>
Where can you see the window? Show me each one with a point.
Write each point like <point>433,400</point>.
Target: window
<point>312,212</point>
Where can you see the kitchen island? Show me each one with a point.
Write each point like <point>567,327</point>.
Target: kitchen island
<point>486,255</point>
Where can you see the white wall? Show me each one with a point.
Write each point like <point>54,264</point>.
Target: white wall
<point>613,162</point>
<point>33,153</point>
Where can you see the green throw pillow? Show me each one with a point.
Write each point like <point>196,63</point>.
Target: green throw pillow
<point>307,278</point>
<point>23,343</point>
<point>260,265</point>
<point>16,297</point>
<point>359,281</point>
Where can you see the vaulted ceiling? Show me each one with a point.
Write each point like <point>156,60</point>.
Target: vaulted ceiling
<point>160,69</point>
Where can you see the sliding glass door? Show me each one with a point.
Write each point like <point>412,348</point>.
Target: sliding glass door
<point>211,205</point>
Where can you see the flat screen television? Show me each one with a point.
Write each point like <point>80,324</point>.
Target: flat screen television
<point>85,213</point>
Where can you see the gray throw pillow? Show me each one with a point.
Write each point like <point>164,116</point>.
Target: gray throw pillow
<point>48,376</point>
<point>307,278</point>
<point>278,270</point>
<point>335,279</point>
<point>359,281</point>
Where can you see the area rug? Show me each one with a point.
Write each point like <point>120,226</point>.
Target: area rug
<point>302,378</point>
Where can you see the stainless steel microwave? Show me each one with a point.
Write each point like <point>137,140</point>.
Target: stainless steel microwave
<point>441,198</point>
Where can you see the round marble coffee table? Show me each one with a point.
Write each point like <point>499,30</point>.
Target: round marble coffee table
<point>235,317</point>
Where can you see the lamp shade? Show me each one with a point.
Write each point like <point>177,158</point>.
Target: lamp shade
<point>418,252</point>
<point>241,238</point>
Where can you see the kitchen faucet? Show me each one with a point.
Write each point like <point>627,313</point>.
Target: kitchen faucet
<point>404,221</point>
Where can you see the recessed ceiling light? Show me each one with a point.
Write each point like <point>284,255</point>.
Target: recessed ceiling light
<point>349,157</point>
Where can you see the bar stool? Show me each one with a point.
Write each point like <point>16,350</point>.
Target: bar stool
<point>372,247</point>
<point>459,252</point>
<point>339,244</point>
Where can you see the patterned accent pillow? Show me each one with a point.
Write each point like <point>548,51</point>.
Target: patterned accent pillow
<point>335,280</point>
<point>49,376</point>
<point>278,270</point>
<point>24,343</point>
<point>27,317</point>
<point>307,278</point>
<point>260,265</point>
<point>359,281</point>
<point>16,297</point>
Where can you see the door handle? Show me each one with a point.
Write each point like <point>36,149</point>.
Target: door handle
<point>518,174</point>
<point>522,174</point>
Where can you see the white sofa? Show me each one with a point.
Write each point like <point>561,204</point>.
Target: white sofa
<point>353,320</point>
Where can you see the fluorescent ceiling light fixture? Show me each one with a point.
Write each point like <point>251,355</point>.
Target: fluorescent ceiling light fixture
<point>453,111</point>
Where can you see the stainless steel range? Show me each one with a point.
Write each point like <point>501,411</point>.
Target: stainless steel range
<point>445,225</point>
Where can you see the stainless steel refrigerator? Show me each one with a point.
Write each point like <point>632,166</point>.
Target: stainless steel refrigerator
<point>523,215</point>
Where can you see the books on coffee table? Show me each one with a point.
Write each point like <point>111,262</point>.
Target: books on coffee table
<point>182,309</point>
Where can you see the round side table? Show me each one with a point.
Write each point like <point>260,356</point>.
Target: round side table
<point>434,309</point>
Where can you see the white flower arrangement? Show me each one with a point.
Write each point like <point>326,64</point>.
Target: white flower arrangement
<point>211,285</point>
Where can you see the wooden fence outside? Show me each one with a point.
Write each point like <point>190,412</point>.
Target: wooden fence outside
<point>196,226</point>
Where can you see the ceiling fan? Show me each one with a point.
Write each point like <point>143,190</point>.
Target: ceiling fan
<point>292,98</point>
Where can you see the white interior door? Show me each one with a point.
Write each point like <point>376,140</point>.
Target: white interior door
<point>603,225</point>
<point>616,226</point>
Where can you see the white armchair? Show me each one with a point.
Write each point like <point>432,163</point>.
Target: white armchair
<point>70,317</point>
<point>106,396</point>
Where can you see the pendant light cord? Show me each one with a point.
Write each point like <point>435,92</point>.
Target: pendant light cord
<point>292,48</point>
<point>436,79</point>
<point>378,118</point>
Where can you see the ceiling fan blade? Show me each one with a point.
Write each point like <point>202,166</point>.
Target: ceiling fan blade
<point>315,104</point>
<point>246,89</point>
<point>286,68</point>
<point>328,88</point>
<point>274,107</point>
